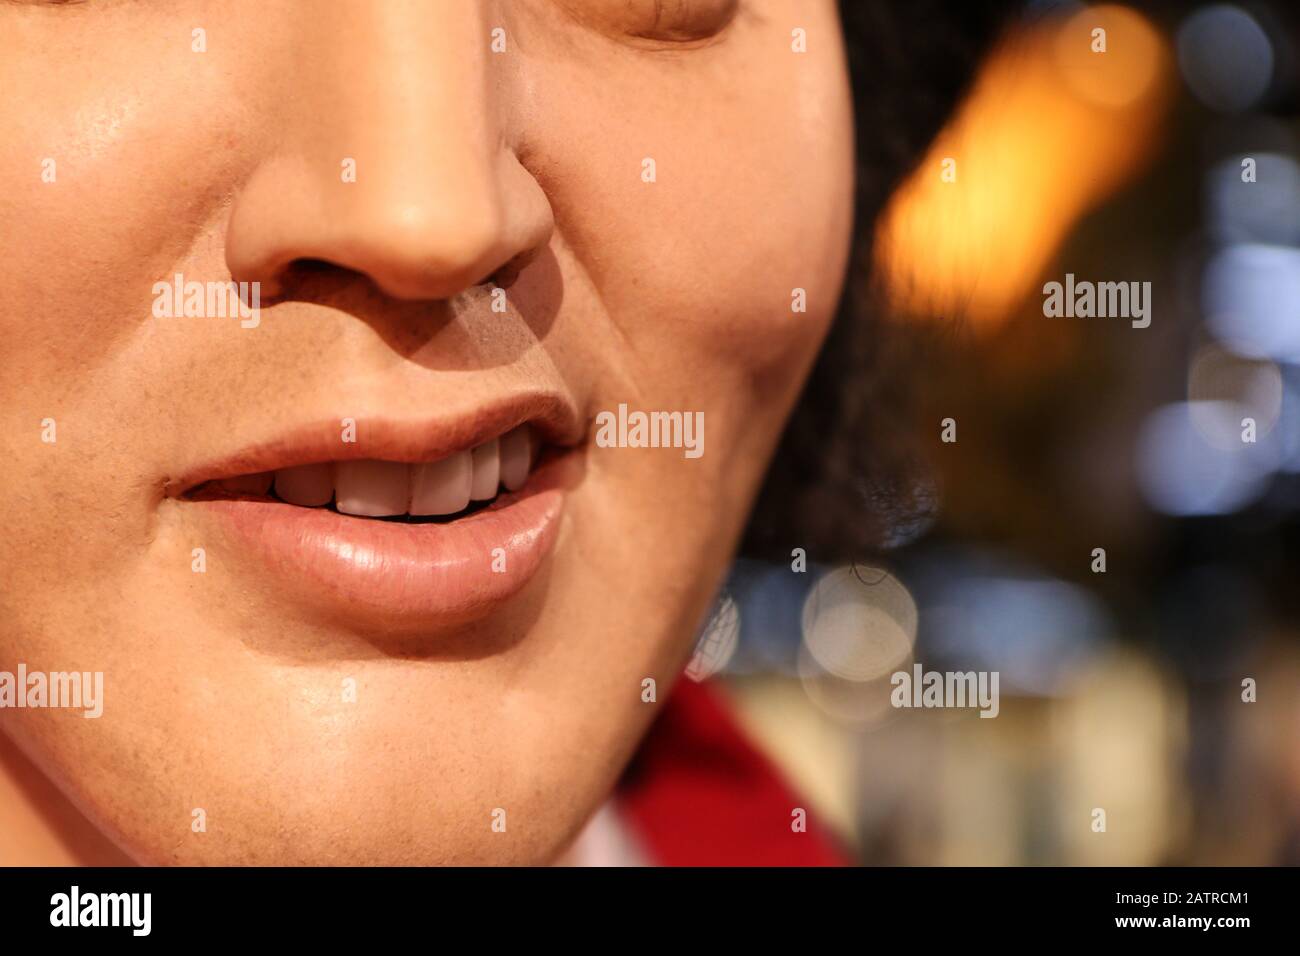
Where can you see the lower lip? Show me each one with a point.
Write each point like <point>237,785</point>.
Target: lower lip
<point>392,574</point>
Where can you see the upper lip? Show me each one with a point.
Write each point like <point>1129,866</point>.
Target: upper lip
<point>552,416</point>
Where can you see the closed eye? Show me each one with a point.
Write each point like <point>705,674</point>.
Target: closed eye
<point>662,21</point>
<point>682,20</point>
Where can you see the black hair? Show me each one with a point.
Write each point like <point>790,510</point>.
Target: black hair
<point>847,470</point>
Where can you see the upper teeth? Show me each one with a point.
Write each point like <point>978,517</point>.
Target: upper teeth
<point>378,489</point>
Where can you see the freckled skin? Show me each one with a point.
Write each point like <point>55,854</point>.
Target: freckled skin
<point>670,295</point>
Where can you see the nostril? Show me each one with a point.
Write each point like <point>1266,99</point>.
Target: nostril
<point>298,275</point>
<point>311,266</point>
<point>506,275</point>
<point>306,270</point>
<point>403,274</point>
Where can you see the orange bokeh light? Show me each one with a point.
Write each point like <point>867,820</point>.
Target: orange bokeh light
<point>1051,128</point>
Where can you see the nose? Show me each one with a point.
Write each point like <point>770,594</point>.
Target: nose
<point>390,158</point>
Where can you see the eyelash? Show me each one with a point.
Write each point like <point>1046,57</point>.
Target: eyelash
<point>700,20</point>
<point>656,24</point>
<point>691,24</point>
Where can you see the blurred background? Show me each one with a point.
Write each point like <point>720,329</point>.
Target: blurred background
<point>1106,532</point>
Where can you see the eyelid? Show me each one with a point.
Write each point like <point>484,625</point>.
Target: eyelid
<point>656,24</point>
<point>666,24</point>
<point>42,3</point>
<point>688,21</point>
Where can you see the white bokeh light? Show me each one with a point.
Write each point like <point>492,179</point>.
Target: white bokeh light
<point>859,623</point>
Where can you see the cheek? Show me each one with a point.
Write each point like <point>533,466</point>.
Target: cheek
<point>751,200</point>
<point>138,131</point>
<point>119,143</point>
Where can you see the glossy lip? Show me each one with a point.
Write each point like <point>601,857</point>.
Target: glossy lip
<point>397,576</point>
<point>402,576</point>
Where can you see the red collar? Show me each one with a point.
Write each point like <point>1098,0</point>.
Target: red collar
<point>698,793</point>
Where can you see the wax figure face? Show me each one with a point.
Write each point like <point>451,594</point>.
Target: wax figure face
<point>647,181</point>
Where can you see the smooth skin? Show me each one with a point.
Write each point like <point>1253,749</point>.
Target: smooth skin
<point>221,693</point>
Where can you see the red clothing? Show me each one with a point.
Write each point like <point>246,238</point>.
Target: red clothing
<point>698,793</point>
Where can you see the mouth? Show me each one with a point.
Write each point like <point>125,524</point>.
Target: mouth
<point>441,491</point>
<point>395,526</point>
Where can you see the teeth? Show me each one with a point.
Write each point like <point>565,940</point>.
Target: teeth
<point>381,489</point>
<point>487,471</point>
<point>308,485</point>
<point>373,489</point>
<point>516,456</point>
<point>258,484</point>
<point>441,487</point>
